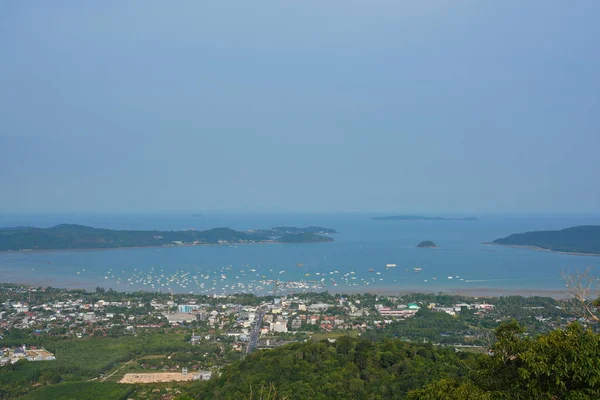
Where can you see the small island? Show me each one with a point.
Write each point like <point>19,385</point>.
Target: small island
<point>71,237</point>
<point>421,218</point>
<point>427,244</point>
<point>579,240</point>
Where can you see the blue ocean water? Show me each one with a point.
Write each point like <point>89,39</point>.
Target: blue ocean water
<point>342,266</point>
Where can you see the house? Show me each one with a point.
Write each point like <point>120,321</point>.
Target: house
<point>176,318</point>
<point>319,307</point>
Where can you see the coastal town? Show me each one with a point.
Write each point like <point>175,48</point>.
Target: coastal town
<point>48,312</point>
<point>153,338</point>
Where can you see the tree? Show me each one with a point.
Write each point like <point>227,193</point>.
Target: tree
<point>583,289</point>
<point>447,389</point>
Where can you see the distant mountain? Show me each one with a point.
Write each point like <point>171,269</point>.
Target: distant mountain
<point>420,218</point>
<point>69,236</point>
<point>579,239</point>
<point>426,243</point>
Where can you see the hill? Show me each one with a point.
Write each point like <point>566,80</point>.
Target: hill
<point>518,367</point>
<point>69,236</point>
<point>420,218</point>
<point>426,244</point>
<point>583,239</point>
<point>347,369</point>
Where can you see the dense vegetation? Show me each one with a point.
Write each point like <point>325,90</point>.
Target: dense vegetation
<point>578,239</point>
<point>420,218</point>
<point>347,369</point>
<point>435,327</point>
<point>82,391</point>
<point>563,364</point>
<point>68,236</point>
<point>426,243</point>
<point>304,238</point>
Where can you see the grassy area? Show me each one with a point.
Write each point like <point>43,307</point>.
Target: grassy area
<point>82,359</point>
<point>332,335</point>
<point>82,391</point>
<point>477,349</point>
<point>152,357</point>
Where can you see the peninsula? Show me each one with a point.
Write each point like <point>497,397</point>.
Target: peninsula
<point>421,218</point>
<point>584,239</point>
<point>70,236</point>
<point>426,244</point>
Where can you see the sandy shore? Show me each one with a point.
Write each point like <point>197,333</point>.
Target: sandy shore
<point>518,246</point>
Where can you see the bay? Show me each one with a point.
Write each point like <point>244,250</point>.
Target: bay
<point>360,245</point>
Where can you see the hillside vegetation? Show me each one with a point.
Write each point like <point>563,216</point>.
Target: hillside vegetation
<point>563,364</point>
<point>69,236</point>
<point>578,239</point>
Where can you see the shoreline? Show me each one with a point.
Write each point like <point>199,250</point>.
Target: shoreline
<point>536,248</point>
<point>148,247</point>
<point>475,292</point>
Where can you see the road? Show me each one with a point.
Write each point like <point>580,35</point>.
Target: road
<point>253,339</point>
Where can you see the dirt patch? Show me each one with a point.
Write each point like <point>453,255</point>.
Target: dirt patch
<point>158,377</point>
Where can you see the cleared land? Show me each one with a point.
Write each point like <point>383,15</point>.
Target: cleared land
<point>158,377</point>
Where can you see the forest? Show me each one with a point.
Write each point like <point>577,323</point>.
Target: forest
<point>562,364</point>
<point>578,239</point>
<point>70,236</point>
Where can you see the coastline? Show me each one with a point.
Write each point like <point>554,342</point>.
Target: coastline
<point>475,292</point>
<point>536,248</point>
<point>149,247</point>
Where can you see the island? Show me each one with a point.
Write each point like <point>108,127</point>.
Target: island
<point>581,240</point>
<point>71,237</point>
<point>306,237</point>
<point>426,244</point>
<point>284,230</point>
<point>421,218</point>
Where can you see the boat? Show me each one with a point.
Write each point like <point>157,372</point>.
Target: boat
<point>371,270</point>
<point>418,269</point>
<point>390,265</point>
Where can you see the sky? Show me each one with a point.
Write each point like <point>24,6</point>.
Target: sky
<point>449,106</point>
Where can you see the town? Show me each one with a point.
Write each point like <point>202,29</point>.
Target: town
<point>150,337</point>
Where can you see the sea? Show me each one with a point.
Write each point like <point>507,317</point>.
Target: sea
<point>355,262</point>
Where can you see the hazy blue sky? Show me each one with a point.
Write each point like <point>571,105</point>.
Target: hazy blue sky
<point>414,106</point>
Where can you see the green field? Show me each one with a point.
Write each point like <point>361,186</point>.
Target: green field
<point>83,359</point>
<point>333,335</point>
<point>82,391</point>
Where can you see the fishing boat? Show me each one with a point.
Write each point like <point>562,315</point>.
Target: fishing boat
<point>390,265</point>
<point>371,270</point>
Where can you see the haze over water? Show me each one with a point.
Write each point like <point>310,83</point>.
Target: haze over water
<point>342,266</point>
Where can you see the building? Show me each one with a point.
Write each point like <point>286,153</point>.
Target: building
<point>279,326</point>
<point>319,307</point>
<point>176,318</point>
<point>399,313</point>
<point>187,308</point>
